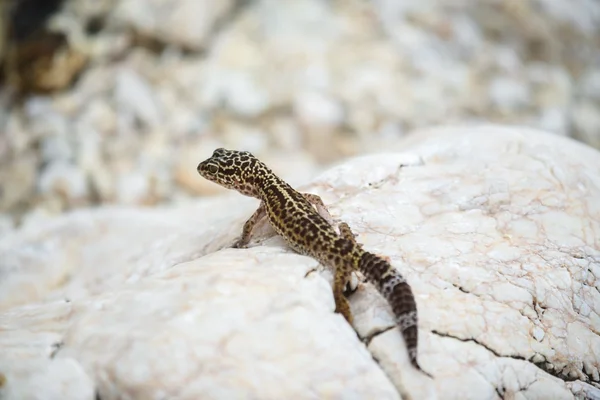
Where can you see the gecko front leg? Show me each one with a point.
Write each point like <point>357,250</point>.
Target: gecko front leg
<point>347,233</point>
<point>256,218</point>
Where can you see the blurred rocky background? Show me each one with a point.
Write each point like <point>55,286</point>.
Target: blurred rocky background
<point>116,101</point>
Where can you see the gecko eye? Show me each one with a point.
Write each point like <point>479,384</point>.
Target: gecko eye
<point>212,168</point>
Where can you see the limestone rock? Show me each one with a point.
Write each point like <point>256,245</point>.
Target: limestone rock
<point>324,80</point>
<point>496,229</point>
<point>187,23</point>
<point>135,98</point>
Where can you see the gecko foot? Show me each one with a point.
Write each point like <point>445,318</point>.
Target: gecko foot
<point>238,244</point>
<point>352,284</point>
<point>342,307</point>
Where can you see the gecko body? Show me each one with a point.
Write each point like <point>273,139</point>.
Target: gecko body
<point>310,231</point>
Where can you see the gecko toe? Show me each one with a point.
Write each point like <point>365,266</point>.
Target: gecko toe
<point>238,245</point>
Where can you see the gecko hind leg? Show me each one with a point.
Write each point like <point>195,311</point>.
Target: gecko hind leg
<point>340,280</point>
<point>343,227</point>
<point>350,285</point>
<point>347,233</point>
<point>316,201</point>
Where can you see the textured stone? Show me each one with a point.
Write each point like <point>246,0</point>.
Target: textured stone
<point>187,23</point>
<point>135,98</point>
<point>496,229</point>
<point>586,119</point>
<point>318,79</point>
<point>43,378</point>
<point>63,179</point>
<point>508,94</point>
<point>6,224</point>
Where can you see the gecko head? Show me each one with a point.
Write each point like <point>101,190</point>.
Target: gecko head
<point>232,169</point>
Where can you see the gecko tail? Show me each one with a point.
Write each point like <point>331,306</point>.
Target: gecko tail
<point>398,293</point>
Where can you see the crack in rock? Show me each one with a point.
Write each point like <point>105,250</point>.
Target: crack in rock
<point>310,271</point>
<point>393,177</point>
<point>473,340</point>
<point>542,365</point>
<point>367,339</point>
<point>56,348</point>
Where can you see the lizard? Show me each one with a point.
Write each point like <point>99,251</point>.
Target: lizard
<point>306,225</point>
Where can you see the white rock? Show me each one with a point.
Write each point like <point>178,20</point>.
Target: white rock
<point>317,109</point>
<point>41,378</point>
<point>89,156</point>
<point>508,59</point>
<point>44,118</point>
<point>135,97</point>
<point>469,36</point>
<point>586,120</point>
<point>38,106</point>
<point>590,84</point>
<point>508,94</point>
<point>132,187</point>
<point>293,19</point>
<point>192,318</point>
<point>555,120</point>
<point>538,333</point>
<point>583,390</point>
<point>287,135</point>
<point>187,23</point>
<point>36,217</point>
<point>390,131</point>
<point>182,120</point>
<point>100,115</point>
<point>552,85</point>
<point>153,294</point>
<point>236,90</point>
<point>17,179</point>
<point>56,148</point>
<point>6,224</point>
<point>63,179</point>
<point>246,138</point>
<point>583,15</point>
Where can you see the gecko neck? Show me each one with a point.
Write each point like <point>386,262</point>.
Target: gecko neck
<point>271,186</point>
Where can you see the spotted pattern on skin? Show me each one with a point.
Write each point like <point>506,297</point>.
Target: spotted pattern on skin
<point>388,286</point>
<point>309,231</point>
<point>407,320</point>
<point>412,353</point>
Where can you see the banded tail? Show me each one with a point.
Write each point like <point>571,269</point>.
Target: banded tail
<point>398,293</point>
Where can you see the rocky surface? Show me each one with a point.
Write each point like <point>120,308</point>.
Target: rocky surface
<point>496,229</point>
<point>301,83</point>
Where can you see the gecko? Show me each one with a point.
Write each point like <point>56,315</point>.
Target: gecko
<point>306,225</point>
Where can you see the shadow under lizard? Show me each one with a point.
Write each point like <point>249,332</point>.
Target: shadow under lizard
<point>310,231</point>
